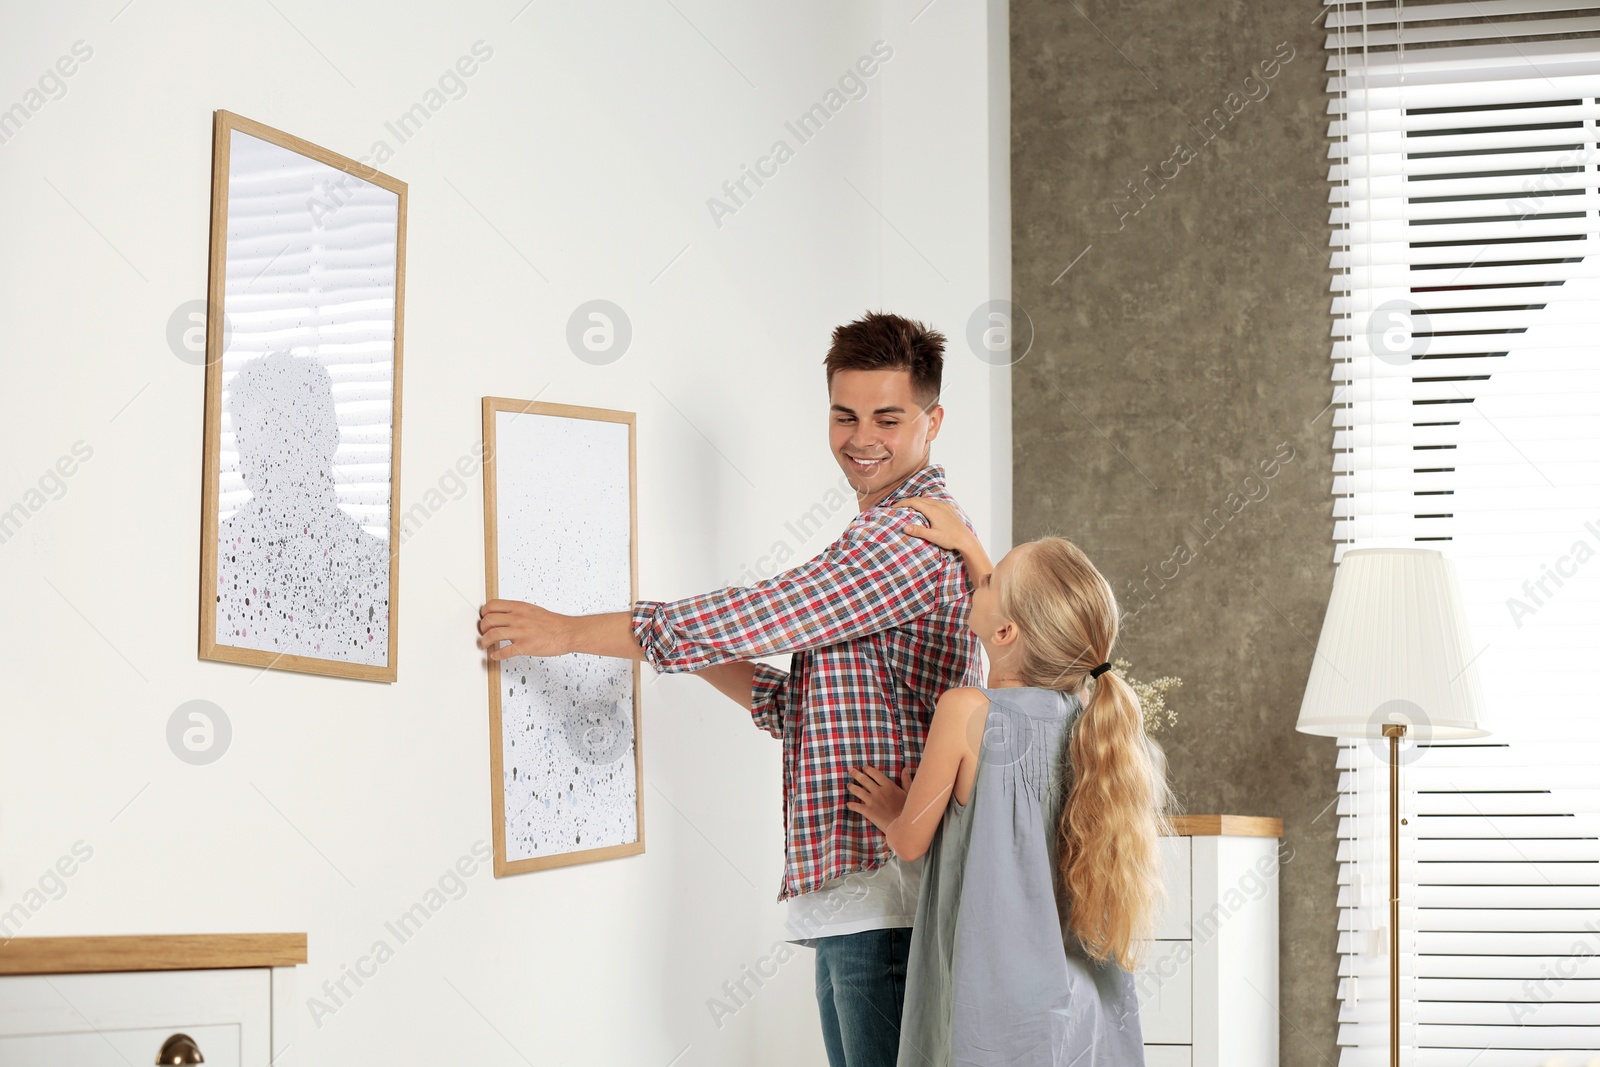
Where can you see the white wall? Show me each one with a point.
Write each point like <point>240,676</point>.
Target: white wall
<point>586,146</point>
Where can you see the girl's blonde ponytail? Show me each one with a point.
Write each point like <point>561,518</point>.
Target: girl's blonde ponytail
<point>1111,824</point>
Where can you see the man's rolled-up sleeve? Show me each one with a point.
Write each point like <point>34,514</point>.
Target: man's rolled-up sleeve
<point>872,579</point>
<point>769,698</point>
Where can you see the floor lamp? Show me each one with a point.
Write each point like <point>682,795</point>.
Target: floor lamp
<point>1395,659</point>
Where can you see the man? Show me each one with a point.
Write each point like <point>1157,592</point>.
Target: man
<point>877,625</point>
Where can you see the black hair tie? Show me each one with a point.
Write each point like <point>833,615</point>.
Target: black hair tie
<point>1098,671</point>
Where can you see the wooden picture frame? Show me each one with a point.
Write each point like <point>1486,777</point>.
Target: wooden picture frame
<point>498,456</point>
<point>316,624</point>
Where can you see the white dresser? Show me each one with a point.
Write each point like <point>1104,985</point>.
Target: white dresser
<point>1208,985</point>
<point>114,1001</point>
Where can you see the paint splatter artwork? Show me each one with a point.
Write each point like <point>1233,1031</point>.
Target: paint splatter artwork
<point>563,525</point>
<point>306,451</point>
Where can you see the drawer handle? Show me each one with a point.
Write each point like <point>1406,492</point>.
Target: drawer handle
<point>179,1049</point>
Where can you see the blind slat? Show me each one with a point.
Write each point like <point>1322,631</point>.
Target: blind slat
<point>1340,17</point>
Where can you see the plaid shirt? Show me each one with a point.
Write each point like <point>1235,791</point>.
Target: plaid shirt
<point>877,625</point>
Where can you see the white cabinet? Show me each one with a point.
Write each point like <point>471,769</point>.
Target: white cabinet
<point>1166,1012</point>
<point>1166,1056</point>
<point>115,1001</point>
<point>1208,983</point>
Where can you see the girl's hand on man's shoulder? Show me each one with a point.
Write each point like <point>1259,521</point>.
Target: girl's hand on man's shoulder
<point>944,527</point>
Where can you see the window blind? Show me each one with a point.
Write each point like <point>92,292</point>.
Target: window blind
<point>1465,169</point>
<point>332,297</point>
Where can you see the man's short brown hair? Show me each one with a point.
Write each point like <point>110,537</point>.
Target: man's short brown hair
<point>880,341</point>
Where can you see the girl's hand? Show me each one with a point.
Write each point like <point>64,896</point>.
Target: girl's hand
<point>877,796</point>
<point>944,528</point>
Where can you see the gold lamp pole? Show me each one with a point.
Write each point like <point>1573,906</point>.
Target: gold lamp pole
<point>1394,732</point>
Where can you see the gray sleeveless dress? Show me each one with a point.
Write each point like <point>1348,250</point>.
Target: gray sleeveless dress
<point>995,978</point>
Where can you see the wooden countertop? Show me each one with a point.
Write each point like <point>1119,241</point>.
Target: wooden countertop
<point>1226,826</point>
<point>149,952</point>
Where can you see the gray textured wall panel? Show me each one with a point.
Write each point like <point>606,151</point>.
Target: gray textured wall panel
<point>1173,154</point>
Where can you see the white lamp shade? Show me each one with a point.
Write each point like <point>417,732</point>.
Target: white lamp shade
<point>1394,648</point>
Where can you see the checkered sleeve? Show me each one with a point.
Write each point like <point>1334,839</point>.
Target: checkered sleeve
<point>769,698</point>
<point>871,579</point>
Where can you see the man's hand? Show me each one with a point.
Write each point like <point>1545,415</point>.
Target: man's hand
<point>877,796</point>
<point>532,630</point>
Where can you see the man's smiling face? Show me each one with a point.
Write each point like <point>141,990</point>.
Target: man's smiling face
<point>878,431</point>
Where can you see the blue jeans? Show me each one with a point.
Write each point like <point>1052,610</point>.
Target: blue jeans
<point>861,989</point>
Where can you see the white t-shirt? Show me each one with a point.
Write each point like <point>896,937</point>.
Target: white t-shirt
<point>880,899</point>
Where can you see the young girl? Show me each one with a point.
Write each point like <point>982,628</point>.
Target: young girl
<point>1040,815</point>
